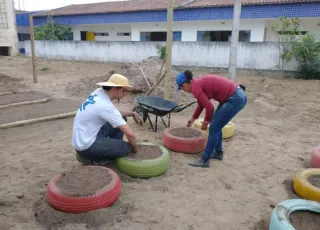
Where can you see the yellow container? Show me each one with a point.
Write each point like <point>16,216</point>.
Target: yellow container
<point>227,131</point>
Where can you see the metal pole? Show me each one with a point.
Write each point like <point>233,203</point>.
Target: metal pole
<point>167,82</point>
<point>35,80</point>
<point>234,40</point>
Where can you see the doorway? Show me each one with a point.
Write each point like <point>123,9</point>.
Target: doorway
<point>4,51</point>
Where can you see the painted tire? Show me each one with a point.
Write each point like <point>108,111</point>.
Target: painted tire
<point>303,187</point>
<point>227,131</point>
<point>315,157</point>
<point>280,215</point>
<point>145,168</point>
<point>184,145</point>
<point>103,198</point>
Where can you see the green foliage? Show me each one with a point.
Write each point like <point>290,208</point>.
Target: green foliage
<point>51,31</point>
<point>45,68</point>
<point>307,54</point>
<point>161,50</point>
<point>286,33</point>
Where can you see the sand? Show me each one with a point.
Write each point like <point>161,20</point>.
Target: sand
<point>303,220</point>
<point>83,181</point>
<point>146,152</point>
<point>185,132</point>
<point>315,181</point>
<point>274,137</point>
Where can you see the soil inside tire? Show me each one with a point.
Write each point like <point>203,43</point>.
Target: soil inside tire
<point>303,220</point>
<point>186,132</point>
<point>83,181</point>
<point>314,180</point>
<point>146,152</point>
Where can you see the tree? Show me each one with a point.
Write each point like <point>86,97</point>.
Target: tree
<point>307,55</point>
<point>286,33</point>
<point>52,31</point>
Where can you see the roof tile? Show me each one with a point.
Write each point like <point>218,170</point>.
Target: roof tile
<point>148,5</point>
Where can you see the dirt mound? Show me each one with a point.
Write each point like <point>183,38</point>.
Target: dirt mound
<point>8,83</point>
<point>134,72</point>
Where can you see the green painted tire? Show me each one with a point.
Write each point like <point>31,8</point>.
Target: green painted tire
<point>145,168</point>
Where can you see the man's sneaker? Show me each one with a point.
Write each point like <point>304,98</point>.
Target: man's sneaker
<point>218,155</point>
<point>201,163</point>
<point>83,160</point>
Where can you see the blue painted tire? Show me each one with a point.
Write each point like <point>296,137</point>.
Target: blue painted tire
<point>280,215</point>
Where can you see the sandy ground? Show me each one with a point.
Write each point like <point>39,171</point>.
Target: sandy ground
<point>274,137</point>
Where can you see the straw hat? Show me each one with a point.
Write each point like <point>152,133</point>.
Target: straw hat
<point>117,80</point>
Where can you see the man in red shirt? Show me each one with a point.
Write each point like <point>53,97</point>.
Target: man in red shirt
<point>231,97</point>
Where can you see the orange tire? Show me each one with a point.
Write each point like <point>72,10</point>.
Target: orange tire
<point>184,145</point>
<point>103,198</point>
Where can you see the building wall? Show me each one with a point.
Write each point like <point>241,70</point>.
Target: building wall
<point>189,29</point>
<point>8,31</point>
<point>251,55</point>
<point>111,29</point>
<point>260,29</point>
<point>311,25</point>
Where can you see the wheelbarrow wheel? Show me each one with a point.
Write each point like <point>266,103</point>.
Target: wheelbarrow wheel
<point>139,110</point>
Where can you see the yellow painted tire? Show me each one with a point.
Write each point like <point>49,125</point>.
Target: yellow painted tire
<point>303,187</point>
<point>227,131</point>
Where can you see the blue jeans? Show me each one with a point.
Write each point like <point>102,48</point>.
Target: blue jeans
<point>221,117</point>
<point>109,144</point>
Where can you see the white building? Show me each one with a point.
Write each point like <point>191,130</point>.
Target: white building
<point>8,31</point>
<point>194,20</point>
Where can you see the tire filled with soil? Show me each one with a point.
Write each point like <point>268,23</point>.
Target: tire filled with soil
<point>84,189</point>
<point>150,160</point>
<point>83,182</point>
<point>184,139</point>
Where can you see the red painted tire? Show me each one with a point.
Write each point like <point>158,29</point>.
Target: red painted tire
<point>184,145</point>
<point>315,157</point>
<point>103,198</point>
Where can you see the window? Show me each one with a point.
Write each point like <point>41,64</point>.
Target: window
<point>123,34</point>
<point>101,34</point>
<point>3,15</point>
<point>222,36</point>
<point>159,36</point>
<point>23,37</point>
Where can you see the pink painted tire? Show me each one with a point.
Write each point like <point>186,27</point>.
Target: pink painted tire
<point>103,198</point>
<point>184,145</point>
<point>315,157</point>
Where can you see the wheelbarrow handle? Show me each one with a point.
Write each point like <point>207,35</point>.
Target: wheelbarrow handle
<point>179,108</point>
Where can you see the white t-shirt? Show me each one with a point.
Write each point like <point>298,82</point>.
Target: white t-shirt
<point>91,116</point>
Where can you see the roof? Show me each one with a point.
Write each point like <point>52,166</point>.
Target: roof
<point>21,11</point>
<point>152,5</point>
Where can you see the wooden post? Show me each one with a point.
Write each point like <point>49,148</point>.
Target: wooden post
<point>234,40</point>
<point>167,83</point>
<point>35,80</point>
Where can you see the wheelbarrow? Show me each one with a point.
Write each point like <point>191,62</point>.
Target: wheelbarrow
<point>159,107</point>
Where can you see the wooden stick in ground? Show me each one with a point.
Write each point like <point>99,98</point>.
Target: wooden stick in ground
<point>6,93</point>
<point>36,120</point>
<point>25,103</point>
<point>145,77</point>
<point>156,84</point>
<point>164,61</point>
<point>35,79</point>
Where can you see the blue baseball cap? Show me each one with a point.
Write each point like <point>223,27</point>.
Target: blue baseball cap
<point>180,79</point>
